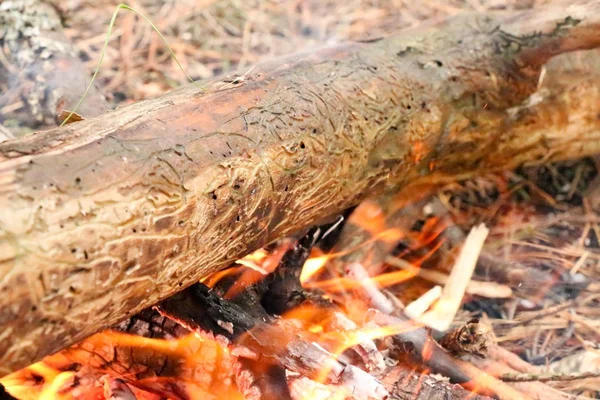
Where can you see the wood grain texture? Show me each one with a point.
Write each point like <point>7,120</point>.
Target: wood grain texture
<point>104,217</point>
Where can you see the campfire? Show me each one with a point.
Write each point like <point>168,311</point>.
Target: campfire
<point>404,214</point>
<point>373,305</point>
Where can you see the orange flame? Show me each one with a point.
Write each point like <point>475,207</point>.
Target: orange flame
<point>199,366</point>
<point>346,283</point>
<point>258,265</point>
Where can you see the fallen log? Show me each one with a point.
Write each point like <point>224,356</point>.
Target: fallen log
<point>104,217</point>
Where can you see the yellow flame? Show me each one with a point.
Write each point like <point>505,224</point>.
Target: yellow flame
<point>347,339</point>
<point>51,390</point>
<point>22,384</point>
<point>312,266</point>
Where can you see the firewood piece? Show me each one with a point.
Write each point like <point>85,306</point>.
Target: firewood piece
<point>102,218</point>
<point>303,388</point>
<point>419,306</point>
<point>310,360</point>
<point>370,291</point>
<point>41,69</point>
<point>201,310</point>
<point>149,323</point>
<point>407,383</point>
<point>367,350</point>
<point>402,384</point>
<point>442,314</point>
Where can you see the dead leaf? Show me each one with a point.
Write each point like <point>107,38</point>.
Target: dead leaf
<point>64,114</point>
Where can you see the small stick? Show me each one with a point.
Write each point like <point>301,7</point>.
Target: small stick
<point>312,360</point>
<point>548,377</point>
<point>533,389</point>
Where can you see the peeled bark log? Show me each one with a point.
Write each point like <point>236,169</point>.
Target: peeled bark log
<point>104,217</point>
